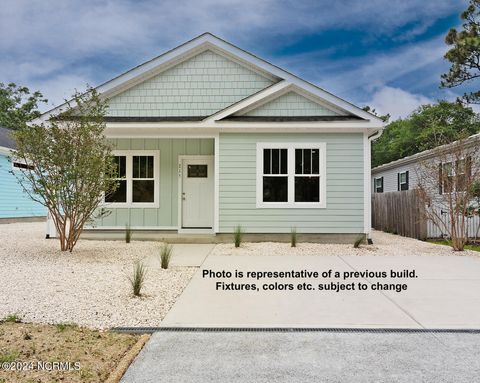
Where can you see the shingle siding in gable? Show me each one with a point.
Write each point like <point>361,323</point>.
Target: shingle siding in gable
<point>199,86</point>
<point>291,105</point>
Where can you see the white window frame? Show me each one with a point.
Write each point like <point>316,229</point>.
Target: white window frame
<point>129,154</point>
<point>400,183</point>
<point>375,187</point>
<point>21,162</point>
<point>291,146</point>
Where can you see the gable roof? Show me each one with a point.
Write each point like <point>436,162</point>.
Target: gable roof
<point>208,41</point>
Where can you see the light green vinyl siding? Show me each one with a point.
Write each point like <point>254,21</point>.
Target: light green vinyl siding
<point>291,104</point>
<point>237,186</point>
<point>167,214</point>
<point>199,86</point>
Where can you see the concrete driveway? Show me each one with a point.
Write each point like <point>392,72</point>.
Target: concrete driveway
<point>263,357</point>
<point>445,294</point>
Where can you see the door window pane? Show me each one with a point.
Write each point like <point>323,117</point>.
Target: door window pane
<point>197,171</point>
<point>307,189</point>
<point>275,189</point>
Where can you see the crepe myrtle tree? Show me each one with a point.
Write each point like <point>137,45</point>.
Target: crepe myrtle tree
<point>70,164</point>
<point>446,186</point>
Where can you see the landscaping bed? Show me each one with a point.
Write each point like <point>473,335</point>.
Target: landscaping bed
<point>384,244</point>
<point>90,286</point>
<point>59,353</point>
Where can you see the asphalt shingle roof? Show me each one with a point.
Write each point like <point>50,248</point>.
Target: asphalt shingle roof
<point>6,140</point>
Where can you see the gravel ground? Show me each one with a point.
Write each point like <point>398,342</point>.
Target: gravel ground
<point>383,244</point>
<point>89,287</point>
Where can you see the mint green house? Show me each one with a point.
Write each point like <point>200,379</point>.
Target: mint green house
<point>208,137</point>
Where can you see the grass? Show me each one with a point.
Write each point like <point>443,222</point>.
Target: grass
<point>165,255</point>
<point>237,235</point>
<point>293,237</point>
<point>98,352</point>
<point>61,327</point>
<point>360,239</point>
<point>446,242</point>
<point>128,233</point>
<point>137,280</point>
<point>12,318</point>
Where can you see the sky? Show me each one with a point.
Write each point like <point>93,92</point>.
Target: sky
<point>387,54</point>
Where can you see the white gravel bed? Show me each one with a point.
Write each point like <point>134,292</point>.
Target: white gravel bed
<point>88,287</point>
<point>384,244</point>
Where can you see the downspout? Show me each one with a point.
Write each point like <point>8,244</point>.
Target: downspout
<point>368,183</point>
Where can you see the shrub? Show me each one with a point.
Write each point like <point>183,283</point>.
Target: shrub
<point>128,233</point>
<point>165,255</point>
<point>293,237</point>
<point>237,235</point>
<point>137,280</point>
<point>12,318</point>
<point>360,239</point>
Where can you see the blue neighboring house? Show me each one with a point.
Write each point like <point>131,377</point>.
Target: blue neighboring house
<point>14,203</point>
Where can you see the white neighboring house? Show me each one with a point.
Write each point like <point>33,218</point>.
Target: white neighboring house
<point>401,175</point>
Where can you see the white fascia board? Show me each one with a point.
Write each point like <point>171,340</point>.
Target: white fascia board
<point>5,151</point>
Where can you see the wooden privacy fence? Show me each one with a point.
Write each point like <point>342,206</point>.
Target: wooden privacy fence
<point>399,213</point>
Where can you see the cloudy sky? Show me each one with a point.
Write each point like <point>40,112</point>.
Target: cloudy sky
<point>384,53</point>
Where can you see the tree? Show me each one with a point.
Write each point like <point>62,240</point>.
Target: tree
<point>426,128</point>
<point>18,105</point>
<point>446,186</point>
<point>384,118</point>
<point>70,164</point>
<point>464,54</point>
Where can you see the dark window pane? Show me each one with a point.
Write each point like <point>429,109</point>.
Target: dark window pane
<point>275,189</point>
<point>142,166</point>
<point>143,191</point>
<point>307,189</point>
<point>197,171</point>
<point>307,161</point>
<point>283,161</point>
<point>298,161</point>
<point>275,161</point>
<point>315,161</point>
<point>119,195</point>
<point>266,161</point>
<point>120,164</point>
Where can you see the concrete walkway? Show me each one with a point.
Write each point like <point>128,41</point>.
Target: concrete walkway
<point>445,294</point>
<point>184,357</point>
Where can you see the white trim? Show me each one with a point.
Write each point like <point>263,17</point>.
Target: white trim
<point>181,158</point>
<point>5,151</point>
<point>291,146</point>
<point>129,154</point>
<point>367,204</point>
<point>196,231</point>
<point>120,228</point>
<point>204,42</point>
<point>216,185</point>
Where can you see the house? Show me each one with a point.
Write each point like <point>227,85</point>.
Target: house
<point>208,137</point>
<point>14,203</point>
<point>402,175</point>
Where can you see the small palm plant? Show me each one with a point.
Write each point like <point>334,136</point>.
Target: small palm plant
<point>165,255</point>
<point>237,235</point>
<point>128,233</point>
<point>293,237</point>
<point>137,280</point>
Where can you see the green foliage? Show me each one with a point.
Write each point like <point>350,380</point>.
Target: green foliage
<point>128,233</point>
<point>12,318</point>
<point>61,327</point>
<point>9,356</point>
<point>137,280</point>
<point>71,164</point>
<point>18,105</point>
<point>165,255</point>
<point>360,239</point>
<point>476,190</point>
<point>293,237</point>
<point>384,118</point>
<point>427,127</point>
<point>464,54</point>
<point>237,235</point>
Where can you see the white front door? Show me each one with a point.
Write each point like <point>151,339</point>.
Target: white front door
<point>197,192</point>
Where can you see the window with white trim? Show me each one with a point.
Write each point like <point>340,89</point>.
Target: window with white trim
<point>378,185</point>
<point>402,181</point>
<point>291,175</point>
<point>138,180</point>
